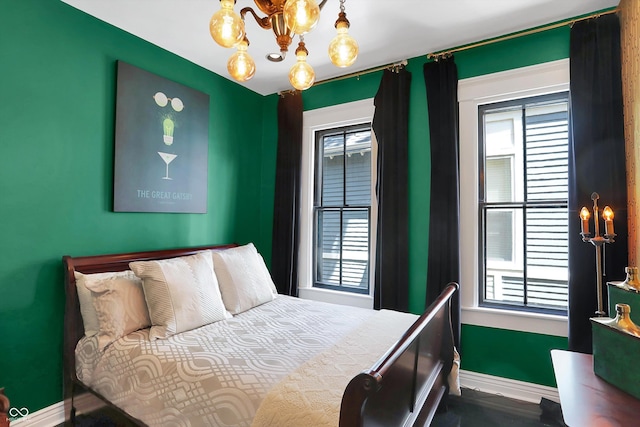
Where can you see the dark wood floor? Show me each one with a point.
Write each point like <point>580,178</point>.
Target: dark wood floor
<point>472,409</point>
<point>477,409</point>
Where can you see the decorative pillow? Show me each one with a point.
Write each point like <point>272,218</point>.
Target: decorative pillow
<point>244,279</point>
<point>120,306</point>
<point>89,316</point>
<point>182,293</point>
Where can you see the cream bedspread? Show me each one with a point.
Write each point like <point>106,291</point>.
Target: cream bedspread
<point>311,395</point>
<point>219,374</point>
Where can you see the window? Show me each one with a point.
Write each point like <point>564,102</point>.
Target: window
<point>338,207</point>
<point>513,216</point>
<point>523,202</point>
<point>342,208</point>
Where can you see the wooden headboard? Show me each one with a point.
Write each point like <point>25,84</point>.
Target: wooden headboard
<point>73,326</point>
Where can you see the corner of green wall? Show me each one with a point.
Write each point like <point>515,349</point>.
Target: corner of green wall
<point>268,173</point>
<point>522,356</point>
<point>57,138</point>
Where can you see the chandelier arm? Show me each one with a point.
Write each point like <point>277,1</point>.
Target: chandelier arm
<point>262,22</point>
<point>322,4</point>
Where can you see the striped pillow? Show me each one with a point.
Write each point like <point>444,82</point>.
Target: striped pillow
<point>181,293</point>
<point>244,279</point>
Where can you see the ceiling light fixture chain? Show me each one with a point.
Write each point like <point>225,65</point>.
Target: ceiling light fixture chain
<point>285,18</point>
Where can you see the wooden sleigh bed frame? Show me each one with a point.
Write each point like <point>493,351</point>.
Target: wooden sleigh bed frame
<point>404,388</point>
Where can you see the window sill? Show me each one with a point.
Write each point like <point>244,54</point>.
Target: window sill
<point>539,323</point>
<point>336,297</point>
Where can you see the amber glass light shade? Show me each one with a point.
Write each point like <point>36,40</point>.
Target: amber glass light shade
<point>226,26</point>
<point>301,16</point>
<point>343,49</point>
<point>241,65</point>
<point>301,74</point>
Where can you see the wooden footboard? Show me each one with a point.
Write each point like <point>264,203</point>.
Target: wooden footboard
<point>405,387</point>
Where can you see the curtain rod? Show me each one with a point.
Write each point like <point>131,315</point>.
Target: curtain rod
<point>395,65</point>
<point>446,52</point>
<point>570,22</point>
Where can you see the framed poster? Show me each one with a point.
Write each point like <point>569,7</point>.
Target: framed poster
<point>161,144</point>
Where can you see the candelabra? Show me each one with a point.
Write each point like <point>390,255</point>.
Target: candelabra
<point>597,240</point>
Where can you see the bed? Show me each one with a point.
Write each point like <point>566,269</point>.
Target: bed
<point>365,367</point>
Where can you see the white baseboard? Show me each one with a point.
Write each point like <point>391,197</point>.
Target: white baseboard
<point>513,389</point>
<point>53,415</point>
<point>50,416</point>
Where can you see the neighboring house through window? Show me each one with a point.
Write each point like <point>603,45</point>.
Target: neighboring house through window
<point>523,196</point>
<point>342,208</point>
<point>514,134</point>
<point>339,211</point>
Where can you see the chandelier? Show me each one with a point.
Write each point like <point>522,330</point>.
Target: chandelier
<point>286,18</point>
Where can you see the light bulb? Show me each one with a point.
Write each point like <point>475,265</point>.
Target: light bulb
<point>343,49</point>
<point>167,127</point>
<point>301,16</point>
<point>241,65</point>
<point>226,27</point>
<point>584,220</point>
<point>584,213</point>
<point>301,74</point>
<point>607,214</point>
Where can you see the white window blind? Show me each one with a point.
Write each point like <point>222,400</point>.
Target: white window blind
<point>523,202</point>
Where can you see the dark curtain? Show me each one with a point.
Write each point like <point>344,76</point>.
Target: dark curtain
<point>441,81</point>
<point>284,249</point>
<point>391,127</point>
<point>596,164</point>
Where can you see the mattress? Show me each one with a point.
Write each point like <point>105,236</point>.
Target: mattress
<point>219,374</point>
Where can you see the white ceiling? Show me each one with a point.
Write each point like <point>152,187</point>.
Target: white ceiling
<point>386,30</point>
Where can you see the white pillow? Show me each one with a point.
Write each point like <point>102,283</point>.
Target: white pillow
<point>89,315</point>
<point>181,293</point>
<point>244,279</point>
<point>120,306</point>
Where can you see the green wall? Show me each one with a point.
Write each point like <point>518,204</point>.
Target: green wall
<point>57,85</point>
<point>57,89</point>
<point>485,350</point>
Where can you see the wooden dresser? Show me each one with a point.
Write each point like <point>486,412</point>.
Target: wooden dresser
<point>586,399</point>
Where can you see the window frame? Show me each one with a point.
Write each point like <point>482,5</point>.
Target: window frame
<point>319,206</point>
<point>520,208</point>
<point>335,116</point>
<point>540,79</point>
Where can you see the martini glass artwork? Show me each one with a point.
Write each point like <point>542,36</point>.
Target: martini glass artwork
<point>168,158</point>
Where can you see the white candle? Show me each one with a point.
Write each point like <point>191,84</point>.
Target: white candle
<point>608,227</point>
